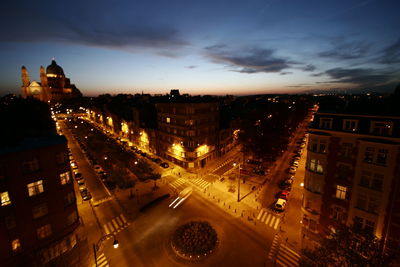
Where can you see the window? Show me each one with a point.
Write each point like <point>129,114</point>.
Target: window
<point>377,156</point>
<point>373,204</point>
<point>30,165</point>
<point>65,178</point>
<point>35,188</point>
<point>318,145</point>
<point>16,245</point>
<point>325,123</point>
<point>61,158</point>
<point>350,125</point>
<point>377,182</point>
<point>168,120</point>
<point>5,199</point>
<point>190,133</point>
<point>344,172</point>
<point>338,213</point>
<point>362,200</point>
<point>189,122</point>
<point>341,192</point>
<point>10,222</point>
<point>346,150</point>
<point>365,179</point>
<point>69,198</point>
<point>44,231</point>
<point>381,128</point>
<point>315,166</point>
<point>358,222</point>
<point>369,154</point>
<point>381,157</point>
<point>72,218</point>
<point>40,210</point>
<point>369,226</point>
<point>367,203</point>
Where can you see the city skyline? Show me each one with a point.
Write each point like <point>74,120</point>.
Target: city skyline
<point>204,48</point>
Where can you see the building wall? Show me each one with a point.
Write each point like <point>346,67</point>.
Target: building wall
<point>18,216</point>
<point>188,132</point>
<point>351,176</point>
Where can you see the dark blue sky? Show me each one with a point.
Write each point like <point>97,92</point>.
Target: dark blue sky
<point>203,47</point>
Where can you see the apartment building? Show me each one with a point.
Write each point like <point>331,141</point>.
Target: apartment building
<point>352,176</point>
<point>188,132</point>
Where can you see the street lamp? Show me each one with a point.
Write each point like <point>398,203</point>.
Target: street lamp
<point>96,247</point>
<point>234,165</point>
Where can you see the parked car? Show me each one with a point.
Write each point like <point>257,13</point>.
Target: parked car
<point>297,158</point>
<point>157,160</point>
<point>283,194</point>
<point>286,184</point>
<point>86,194</point>
<point>98,169</point>
<point>78,175</point>
<point>295,164</point>
<point>280,204</point>
<point>292,170</point>
<point>164,165</point>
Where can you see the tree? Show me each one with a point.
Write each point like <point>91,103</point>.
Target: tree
<point>154,177</point>
<point>347,247</point>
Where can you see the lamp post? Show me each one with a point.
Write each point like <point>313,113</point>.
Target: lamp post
<point>96,246</point>
<point>234,165</point>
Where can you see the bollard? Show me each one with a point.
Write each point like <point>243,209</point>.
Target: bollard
<point>213,197</point>
<point>218,200</point>
<point>229,206</point>
<point>235,210</point>
<point>224,203</point>
<point>241,214</point>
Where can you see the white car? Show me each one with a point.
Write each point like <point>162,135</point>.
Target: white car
<point>295,164</point>
<point>280,204</point>
<point>292,170</point>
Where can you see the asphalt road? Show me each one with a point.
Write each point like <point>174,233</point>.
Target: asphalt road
<point>146,241</point>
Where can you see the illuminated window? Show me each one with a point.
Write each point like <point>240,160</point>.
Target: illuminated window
<point>315,166</point>
<point>168,120</point>
<point>15,245</point>
<point>44,231</point>
<point>40,210</point>
<point>65,178</point>
<point>341,192</point>
<point>5,198</point>
<point>35,188</point>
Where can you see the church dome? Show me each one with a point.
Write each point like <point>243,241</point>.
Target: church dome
<point>54,69</point>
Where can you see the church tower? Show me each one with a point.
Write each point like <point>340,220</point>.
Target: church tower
<point>25,81</point>
<point>43,77</point>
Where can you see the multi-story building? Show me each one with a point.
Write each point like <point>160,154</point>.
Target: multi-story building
<point>188,132</point>
<point>39,221</point>
<point>353,175</point>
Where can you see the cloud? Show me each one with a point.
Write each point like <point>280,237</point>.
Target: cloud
<point>285,73</point>
<point>391,54</point>
<point>252,60</point>
<point>361,77</point>
<point>308,67</point>
<point>91,26</point>
<point>346,51</point>
<point>191,67</point>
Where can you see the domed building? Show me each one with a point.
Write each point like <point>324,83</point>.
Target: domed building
<point>53,86</point>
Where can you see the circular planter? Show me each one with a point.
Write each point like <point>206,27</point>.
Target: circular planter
<point>194,240</point>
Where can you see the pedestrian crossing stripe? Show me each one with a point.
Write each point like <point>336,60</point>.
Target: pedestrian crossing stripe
<point>287,257</point>
<point>101,261</point>
<point>178,182</point>
<point>201,183</point>
<point>274,247</point>
<point>268,219</point>
<point>116,225</point>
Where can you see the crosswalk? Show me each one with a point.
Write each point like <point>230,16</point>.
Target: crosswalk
<point>203,184</point>
<point>101,261</point>
<point>268,219</point>
<point>115,225</point>
<point>178,183</point>
<point>282,255</point>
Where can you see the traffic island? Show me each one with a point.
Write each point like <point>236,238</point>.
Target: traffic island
<point>194,240</point>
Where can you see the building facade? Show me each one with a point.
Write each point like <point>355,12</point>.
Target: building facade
<point>39,223</point>
<point>188,133</point>
<point>53,86</point>
<point>352,177</point>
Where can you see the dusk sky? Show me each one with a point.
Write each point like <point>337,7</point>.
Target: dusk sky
<point>203,47</point>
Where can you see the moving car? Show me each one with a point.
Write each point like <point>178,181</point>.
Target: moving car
<point>280,204</point>
<point>184,194</point>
